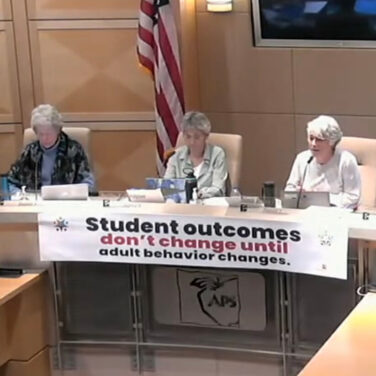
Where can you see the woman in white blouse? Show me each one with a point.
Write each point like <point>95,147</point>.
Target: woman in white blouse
<point>206,161</point>
<point>323,167</point>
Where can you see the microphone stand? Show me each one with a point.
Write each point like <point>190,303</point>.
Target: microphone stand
<point>36,179</point>
<point>301,186</point>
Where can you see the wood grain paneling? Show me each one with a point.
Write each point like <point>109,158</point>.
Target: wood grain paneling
<point>189,58</point>
<point>9,149</point>
<point>5,10</point>
<point>9,98</point>
<point>4,348</point>
<point>88,69</point>
<point>123,159</point>
<point>25,317</point>
<point>87,9</point>
<point>268,146</point>
<point>39,365</point>
<point>22,46</point>
<point>335,81</point>
<point>234,76</point>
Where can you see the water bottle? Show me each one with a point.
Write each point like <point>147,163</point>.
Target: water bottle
<point>235,192</point>
<point>5,194</point>
<point>190,184</point>
<point>268,194</point>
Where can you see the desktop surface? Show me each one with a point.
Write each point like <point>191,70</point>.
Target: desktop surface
<point>350,349</point>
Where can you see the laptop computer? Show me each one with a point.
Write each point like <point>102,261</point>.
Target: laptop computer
<point>309,198</point>
<point>172,189</point>
<point>145,195</point>
<point>65,192</point>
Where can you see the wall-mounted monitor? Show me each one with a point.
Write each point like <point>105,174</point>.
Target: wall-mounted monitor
<point>307,23</point>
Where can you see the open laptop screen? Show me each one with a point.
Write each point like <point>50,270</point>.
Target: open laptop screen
<point>65,192</point>
<point>290,199</point>
<point>172,189</point>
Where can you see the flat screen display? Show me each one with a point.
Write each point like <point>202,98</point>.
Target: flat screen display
<point>315,23</point>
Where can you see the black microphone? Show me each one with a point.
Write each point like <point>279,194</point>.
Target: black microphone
<point>36,178</point>
<point>301,186</point>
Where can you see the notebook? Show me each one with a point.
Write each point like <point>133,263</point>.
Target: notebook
<point>290,199</point>
<point>65,192</point>
<point>172,189</point>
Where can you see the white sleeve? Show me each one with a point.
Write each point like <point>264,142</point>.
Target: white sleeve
<point>350,175</point>
<point>293,182</point>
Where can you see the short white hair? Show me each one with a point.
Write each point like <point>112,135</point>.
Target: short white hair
<point>325,127</point>
<point>45,114</point>
<point>196,120</point>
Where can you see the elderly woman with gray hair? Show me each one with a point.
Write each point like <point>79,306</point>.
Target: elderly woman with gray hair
<point>324,167</point>
<point>53,159</point>
<point>206,161</point>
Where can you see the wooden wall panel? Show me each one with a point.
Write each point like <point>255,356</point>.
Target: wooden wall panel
<point>123,159</point>
<point>9,148</point>
<point>22,46</point>
<point>234,76</point>
<point>37,365</point>
<point>87,9</point>
<point>26,317</point>
<point>9,98</point>
<point>335,81</point>
<point>5,10</point>
<point>88,69</point>
<point>188,53</point>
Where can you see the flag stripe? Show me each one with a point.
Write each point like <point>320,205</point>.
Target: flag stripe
<point>145,35</point>
<point>161,132</point>
<point>148,8</point>
<point>171,62</point>
<point>168,88</point>
<point>168,119</point>
<point>158,51</point>
<point>160,149</point>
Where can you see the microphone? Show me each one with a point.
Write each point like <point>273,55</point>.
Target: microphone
<point>36,178</point>
<point>301,186</point>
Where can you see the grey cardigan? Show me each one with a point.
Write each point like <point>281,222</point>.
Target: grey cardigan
<point>213,174</point>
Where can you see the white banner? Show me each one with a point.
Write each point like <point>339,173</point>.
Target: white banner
<point>317,247</point>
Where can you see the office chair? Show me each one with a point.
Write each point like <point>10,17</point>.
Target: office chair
<point>80,134</point>
<point>232,145</point>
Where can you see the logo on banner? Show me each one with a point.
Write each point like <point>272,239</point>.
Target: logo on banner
<point>326,239</point>
<point>215,297</point>
<point>61,224</point>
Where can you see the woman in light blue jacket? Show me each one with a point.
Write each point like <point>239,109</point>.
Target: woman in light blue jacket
<point>206,161</point>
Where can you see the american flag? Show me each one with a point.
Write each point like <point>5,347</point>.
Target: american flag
<point>158,52</point>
